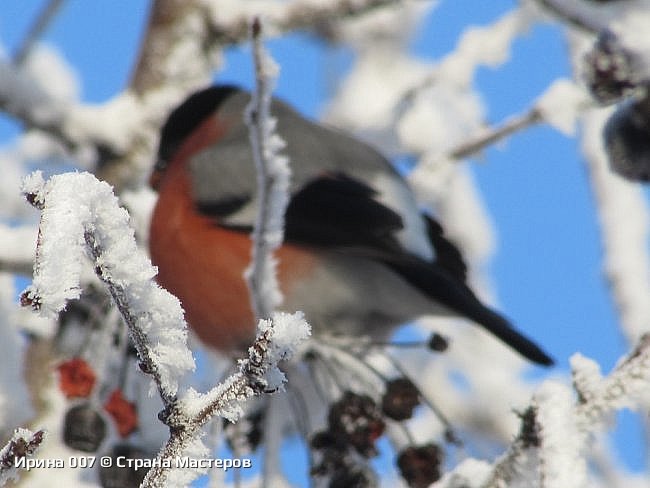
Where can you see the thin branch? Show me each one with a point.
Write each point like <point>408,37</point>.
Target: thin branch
<point>576,14</point>
<point>187,417</point>
<point>121,298</point>
<point>496,134</point>
<point>272,183</point>
<point>508,468</point>
<point>35,32</point>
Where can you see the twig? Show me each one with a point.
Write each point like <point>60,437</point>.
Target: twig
<point>495,134</point>
<point>140,341</point>
<point>508,467</point>
<point>43,20</point>
<point>187,416</point>
<point>23,444</point>
<point>574,13</point>
<point>272,183</point>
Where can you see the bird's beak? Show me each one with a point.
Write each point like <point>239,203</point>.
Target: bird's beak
<point>157,174</point>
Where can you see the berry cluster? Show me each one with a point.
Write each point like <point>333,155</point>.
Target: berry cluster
<point>615,73</point>
<point>609,69</point>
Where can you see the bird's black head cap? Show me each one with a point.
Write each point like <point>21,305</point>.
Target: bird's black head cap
<point>185,118</point>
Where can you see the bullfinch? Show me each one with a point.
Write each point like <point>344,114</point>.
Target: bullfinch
<point>358,258</point>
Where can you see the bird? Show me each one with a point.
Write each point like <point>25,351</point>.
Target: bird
<point>359,257</point>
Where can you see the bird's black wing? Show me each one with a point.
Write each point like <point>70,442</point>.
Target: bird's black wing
<point>333,211</point>
<point>447,254</point>
<point>338,212</point>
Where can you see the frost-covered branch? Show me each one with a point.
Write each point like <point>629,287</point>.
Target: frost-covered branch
<point>552,446</point>
<point>174,59</point>
<point>80,215</point>
<point>24,99</point>
<point>559,106</point>
<point>23,443</point>
<point>231,26</point>
<point>496,134</point>
<point>273,175</point>
<point>577,14</point>
<point>276,341</point>
<point>624,227</point>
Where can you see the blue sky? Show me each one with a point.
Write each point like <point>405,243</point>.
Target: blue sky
<point>547,268</point>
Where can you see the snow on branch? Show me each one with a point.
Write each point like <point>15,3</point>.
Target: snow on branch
<point>24,443</point>
<point>38,94</point>
<point>24,99</point>
<point>624,226</point>
<point>230,20</point>
<point>552,447</point>
<point>277,340</point>
<point>273,175</point>
<point>81,216</point>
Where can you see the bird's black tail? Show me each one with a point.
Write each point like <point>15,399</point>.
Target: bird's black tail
<point>502,329</point>
<point>437,283</point>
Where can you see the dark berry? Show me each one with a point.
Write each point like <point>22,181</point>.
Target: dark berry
<point>627,140</point>
<point>438,343</point>
<point>420,465</point>
<point>84,428</point>
<point>401,397</point>
<point>609,69</point>
<point>358,420</point>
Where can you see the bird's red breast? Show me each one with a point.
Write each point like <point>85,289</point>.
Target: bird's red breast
<point>202,263</point>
